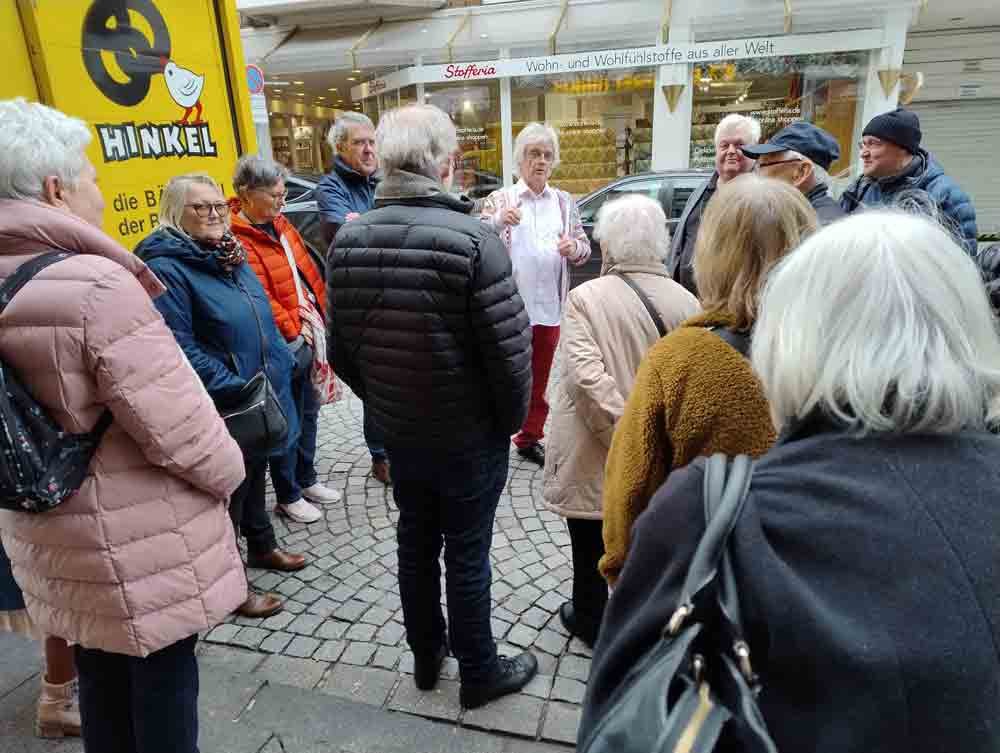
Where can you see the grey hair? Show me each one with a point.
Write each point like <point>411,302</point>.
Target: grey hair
<point>342,126</point>
<point>881,321</point>
<point>37,142</point>
<point>253,171</point>
<point>417,138</point>
<point>174,198</point>
<point>735,120</point>
<point>632,230</point>
<point>536,133</point>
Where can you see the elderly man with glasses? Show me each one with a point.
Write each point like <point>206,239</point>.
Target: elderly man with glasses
<point>800,154</point>
<point>898,171</point>
<point>540,226</point>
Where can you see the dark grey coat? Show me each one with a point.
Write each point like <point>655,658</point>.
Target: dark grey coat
<point>869,575</point>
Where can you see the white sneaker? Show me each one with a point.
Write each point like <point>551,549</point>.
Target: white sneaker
<point>321,494</point>
<point>300,511</point>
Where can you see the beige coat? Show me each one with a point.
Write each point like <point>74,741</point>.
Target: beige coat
<point>606,331</point>
<point>144,554</point>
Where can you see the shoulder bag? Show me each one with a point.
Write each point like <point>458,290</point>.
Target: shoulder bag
<point>696,687</point>
<point>653,313</point>
<point>254,415</point>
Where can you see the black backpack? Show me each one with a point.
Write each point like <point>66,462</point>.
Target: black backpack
<point>41,465</point>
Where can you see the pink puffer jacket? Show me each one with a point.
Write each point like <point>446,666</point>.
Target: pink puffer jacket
<point>144,554</point>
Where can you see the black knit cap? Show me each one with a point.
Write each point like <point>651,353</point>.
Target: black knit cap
<point>900,126</point>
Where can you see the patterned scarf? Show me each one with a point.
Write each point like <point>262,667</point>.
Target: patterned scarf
<point>228,251</point>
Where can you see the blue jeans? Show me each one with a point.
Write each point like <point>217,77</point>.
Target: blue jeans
<point>296,469</point>
<point>134,705</point>
<point>374,437</point>
<point>449,498</point>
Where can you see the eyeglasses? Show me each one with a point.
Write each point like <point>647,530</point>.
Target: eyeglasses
<point>277,198</point>
<point>758,166</point>
<point>205,210</point>
<point>538,154</point>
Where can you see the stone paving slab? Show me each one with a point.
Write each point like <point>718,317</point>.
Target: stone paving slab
<point>343,611</point>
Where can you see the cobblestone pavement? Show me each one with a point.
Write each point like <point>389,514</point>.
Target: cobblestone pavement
<point>342,628</point>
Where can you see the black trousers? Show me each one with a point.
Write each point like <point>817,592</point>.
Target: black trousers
<point>590,591</point>
<point>139,705</point>
<point>248,512</point>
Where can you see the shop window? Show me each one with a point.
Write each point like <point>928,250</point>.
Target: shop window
<point>408,95</point>
<point>475,110</point>
<point>604,120</point>
<point>825,89</point>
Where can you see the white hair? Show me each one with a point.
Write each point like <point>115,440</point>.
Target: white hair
<point>632,230</point>
<point>38,142</point>
<point>735,120</point>
<point>536,133</point>
<point>342,126</point>
<point>417,138</point>
<point>881,321</point>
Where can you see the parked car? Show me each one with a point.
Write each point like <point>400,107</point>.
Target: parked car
<point>670,187</point>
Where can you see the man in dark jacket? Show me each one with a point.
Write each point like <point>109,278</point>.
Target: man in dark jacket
<point>426,325</point>
<point>733,132</point>
<point>344,194</point>
<point>898,171</point>
<point>800,154</point>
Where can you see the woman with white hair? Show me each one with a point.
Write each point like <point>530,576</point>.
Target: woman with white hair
<point>141,558</point>
<point>221,317</point>
<point>866,557</point>
<point>607,327</point>
<point>540,225</point>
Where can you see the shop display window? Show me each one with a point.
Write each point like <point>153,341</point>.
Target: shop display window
<point>475,110</point>
<point>408,95</point>
<point>825,89</point>
<point>604,120</point>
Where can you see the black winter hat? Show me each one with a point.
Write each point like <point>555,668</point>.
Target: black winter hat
<point>900,126</point>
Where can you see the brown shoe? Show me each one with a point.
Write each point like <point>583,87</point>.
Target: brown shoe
<point>260,605</point>
<point>380,470</point>
<point>277,560</point>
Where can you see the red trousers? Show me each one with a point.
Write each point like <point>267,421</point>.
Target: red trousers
<point>543,349</point>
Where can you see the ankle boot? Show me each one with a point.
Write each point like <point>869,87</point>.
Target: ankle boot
<point>58,712</point>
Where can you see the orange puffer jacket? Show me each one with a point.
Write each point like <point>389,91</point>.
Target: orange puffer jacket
<point>267,257</point>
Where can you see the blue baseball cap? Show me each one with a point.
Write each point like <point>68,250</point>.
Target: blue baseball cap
<point>802,137</point>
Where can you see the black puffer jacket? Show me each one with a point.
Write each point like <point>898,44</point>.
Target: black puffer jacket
<point>989,265</point>
<point>425,322</point>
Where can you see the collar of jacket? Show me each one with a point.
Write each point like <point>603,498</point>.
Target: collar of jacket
<point>815,422</point>
<point>349,173</point>
<point>172,244</point>
<point>711,319</point>
<point>29,225</point>
<point>653,268</point>
<point>818,191</point>
<point>404,187</point>
<point>242,226</point>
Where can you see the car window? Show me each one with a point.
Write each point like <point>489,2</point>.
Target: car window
<point>682,190</point>
<point>297,191</point>
<point>308,225</point>
<point>649,187</point>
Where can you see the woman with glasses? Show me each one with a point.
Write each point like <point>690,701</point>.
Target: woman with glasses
<point>295,287</point>
<point>540,225</point>
<point>222,320</point>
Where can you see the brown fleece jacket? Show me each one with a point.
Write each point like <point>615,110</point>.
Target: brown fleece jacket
<point>694,395</point>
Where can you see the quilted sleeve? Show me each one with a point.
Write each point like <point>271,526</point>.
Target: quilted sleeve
<point>151,389</point>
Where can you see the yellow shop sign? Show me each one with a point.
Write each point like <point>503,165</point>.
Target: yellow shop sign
<point>160,83</point>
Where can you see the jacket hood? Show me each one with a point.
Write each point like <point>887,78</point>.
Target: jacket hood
<point>28,225</point>
<point>401,186</point>
<point>650,268</point>
<point>167,242</point>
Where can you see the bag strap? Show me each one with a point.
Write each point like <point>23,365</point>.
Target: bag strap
<point>739,341</point>
<point>725,494</point>
<point>25,272</point>
<point>653,313</point>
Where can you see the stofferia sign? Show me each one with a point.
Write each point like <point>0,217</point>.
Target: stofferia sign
<point>631,57</point>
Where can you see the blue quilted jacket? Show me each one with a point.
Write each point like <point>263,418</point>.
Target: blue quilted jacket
<point>924,175</point>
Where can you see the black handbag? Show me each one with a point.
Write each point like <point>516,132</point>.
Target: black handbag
<point>254,416</point>
<point>696,687</point>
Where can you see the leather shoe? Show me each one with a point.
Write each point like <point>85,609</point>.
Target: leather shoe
<point>510,677</point>
<point>535,452</point>
<point>380,470</point>
<point>277,560</point>
<point>427,668</point>
<point>567,616</point>
<point>260,605</point>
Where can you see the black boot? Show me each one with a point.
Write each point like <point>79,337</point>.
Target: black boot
<point>511,675</point>
<point>568,617</point>
<point>426,669</point>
